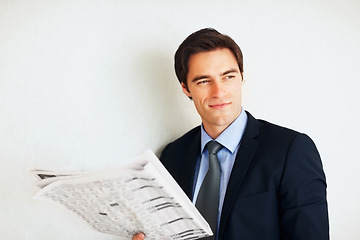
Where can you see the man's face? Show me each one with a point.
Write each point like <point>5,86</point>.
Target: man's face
<point>214,84</point>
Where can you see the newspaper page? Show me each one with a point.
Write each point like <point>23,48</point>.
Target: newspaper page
<point>122,202</point>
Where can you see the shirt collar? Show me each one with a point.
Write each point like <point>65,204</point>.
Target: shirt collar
<point>231,136</point>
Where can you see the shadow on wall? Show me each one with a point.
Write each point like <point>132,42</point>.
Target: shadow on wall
<point>158,106</point>
<point>173,111</point>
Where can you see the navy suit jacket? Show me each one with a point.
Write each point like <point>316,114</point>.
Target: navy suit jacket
<point>277,188</point>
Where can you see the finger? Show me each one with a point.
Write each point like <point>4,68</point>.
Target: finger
<point>139,236</point>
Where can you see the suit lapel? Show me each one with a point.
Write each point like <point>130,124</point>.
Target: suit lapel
<point>243,159</point>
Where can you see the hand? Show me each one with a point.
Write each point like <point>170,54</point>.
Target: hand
<point>139,236</point>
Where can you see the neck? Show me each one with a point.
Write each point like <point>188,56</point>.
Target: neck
<point>214,131</point>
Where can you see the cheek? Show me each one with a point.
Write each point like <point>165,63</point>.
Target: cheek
<point>237,90</point>
<point>200,104</point>
<point>198,95</point>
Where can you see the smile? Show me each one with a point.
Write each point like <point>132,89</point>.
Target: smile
<point>219,105</point>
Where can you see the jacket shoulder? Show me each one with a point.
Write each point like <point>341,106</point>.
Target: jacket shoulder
<point>185,139</point>
<point>260,127</point>
<point>179,148</point>
<point>272,135</point>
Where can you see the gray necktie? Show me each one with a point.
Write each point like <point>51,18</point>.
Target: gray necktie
<point>208,198</point>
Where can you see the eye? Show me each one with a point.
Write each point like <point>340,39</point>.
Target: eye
<point>202,82</point>
<point>229,77</point>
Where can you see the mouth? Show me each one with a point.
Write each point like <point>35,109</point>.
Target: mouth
<point>219,105</point>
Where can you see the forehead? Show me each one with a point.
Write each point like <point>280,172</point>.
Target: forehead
<point>211,62</point>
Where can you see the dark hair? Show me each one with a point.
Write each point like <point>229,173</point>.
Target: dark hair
<point>204,40</point>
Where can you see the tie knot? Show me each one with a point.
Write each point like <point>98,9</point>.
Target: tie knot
<point>213,147</point>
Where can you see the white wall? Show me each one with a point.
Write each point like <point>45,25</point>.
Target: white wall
<point>89,84</point>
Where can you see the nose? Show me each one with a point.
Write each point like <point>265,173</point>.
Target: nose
<point>218,89</point>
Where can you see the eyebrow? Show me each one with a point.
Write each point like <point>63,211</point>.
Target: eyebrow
<point>232,70</point>
<point>199,78</point>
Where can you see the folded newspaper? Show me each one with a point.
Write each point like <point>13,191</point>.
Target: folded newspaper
<point>141,197</point>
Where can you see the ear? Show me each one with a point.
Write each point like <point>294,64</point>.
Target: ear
<point>185,90</point>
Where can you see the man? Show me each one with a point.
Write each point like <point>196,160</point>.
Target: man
<point>272,185</point>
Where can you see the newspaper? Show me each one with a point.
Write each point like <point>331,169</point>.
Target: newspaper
<point>142,197</point>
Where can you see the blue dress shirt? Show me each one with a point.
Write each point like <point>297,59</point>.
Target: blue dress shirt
<point>230,138</point>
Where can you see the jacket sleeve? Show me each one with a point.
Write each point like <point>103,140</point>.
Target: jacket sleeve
<point>302,193</point>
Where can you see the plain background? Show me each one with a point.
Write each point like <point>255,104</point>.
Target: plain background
<point>88,84</point>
